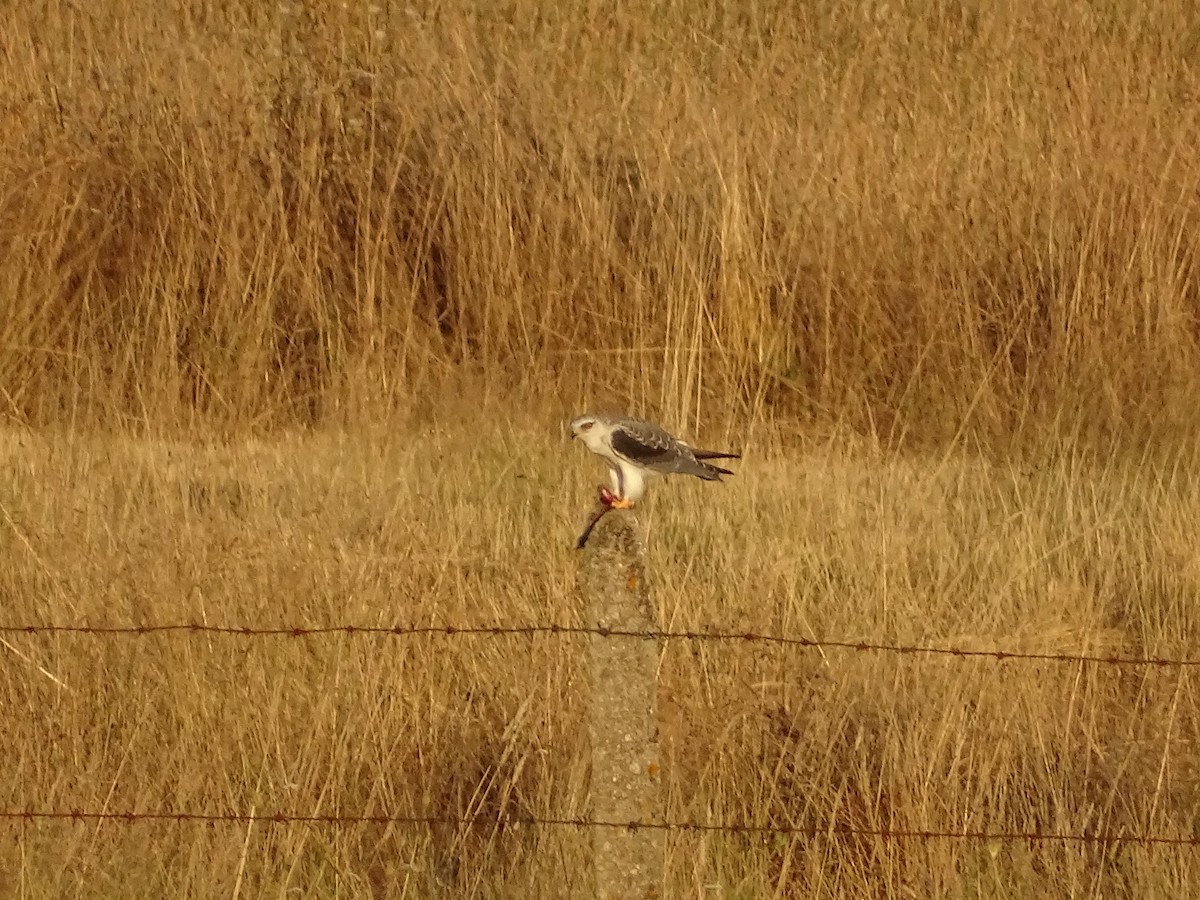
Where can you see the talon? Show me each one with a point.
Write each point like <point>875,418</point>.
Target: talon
<point>612,501</point>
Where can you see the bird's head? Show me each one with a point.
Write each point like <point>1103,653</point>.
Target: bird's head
<point>589,429</point>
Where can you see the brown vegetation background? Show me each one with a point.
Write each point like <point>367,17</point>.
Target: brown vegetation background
<point>262,265</point>
<point>915,218</point>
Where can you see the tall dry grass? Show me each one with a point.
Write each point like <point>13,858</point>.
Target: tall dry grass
<point>934,231</point>
<point>921,219</point>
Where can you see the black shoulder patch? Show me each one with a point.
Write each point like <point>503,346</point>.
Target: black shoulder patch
<point>639,451</point>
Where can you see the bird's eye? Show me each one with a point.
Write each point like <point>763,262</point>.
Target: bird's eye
<point>586,425</point>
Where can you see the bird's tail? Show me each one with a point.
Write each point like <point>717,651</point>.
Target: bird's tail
<point>715,454</point>
<point>709,472</point>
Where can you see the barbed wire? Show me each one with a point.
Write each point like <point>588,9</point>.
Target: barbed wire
<point>197,628</point>
<point>343,820</point>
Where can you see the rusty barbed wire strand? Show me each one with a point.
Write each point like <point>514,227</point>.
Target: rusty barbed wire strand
<point>197,628</point>
<point>342,820</point>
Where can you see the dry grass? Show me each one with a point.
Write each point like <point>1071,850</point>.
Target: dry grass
<point>918,219</point>
<point>237,237</point>
<point>836,542</point>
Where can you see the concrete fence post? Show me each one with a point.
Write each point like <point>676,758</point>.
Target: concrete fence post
<point>623,712</point>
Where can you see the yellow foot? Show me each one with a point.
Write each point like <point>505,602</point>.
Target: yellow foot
<point>612,501</point>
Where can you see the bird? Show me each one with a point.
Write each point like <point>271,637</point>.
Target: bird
<point>637,450</point>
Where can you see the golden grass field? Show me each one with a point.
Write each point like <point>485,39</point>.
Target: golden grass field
<point>295,300</point>
<point>826,540</point>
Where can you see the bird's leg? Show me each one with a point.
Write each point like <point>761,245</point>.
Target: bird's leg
<point>620,501</point>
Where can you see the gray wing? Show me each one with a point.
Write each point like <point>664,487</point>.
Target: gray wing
<point>651,446</point>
